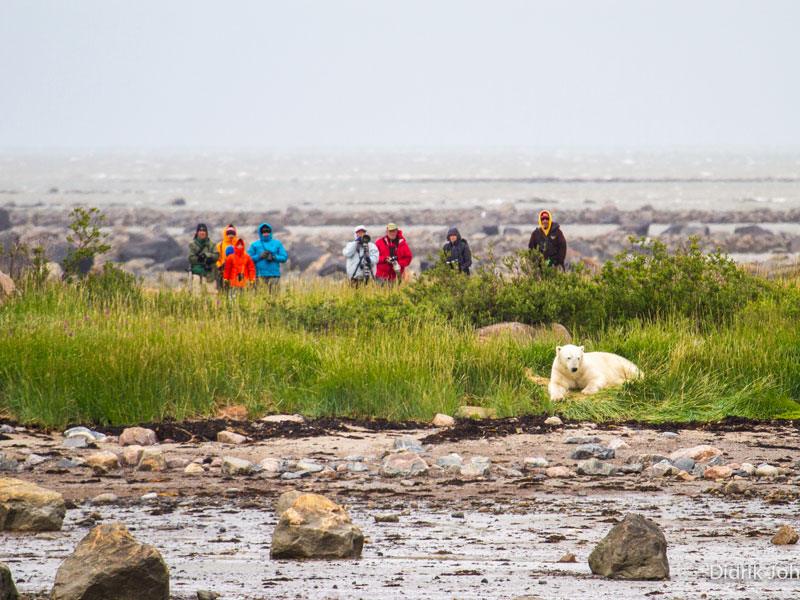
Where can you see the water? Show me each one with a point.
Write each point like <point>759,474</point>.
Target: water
<point>404,180</point>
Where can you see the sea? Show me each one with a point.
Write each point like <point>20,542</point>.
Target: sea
<point>407,180</point>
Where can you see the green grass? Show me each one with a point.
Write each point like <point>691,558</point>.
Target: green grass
<point>324,349</point>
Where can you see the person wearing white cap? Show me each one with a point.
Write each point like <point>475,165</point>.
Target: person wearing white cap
<point>362,255</point>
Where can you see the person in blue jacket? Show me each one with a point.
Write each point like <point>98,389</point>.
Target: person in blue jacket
<point>267,254</point>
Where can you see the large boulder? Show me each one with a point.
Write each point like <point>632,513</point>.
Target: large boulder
<point>5,219</point>
<point>160,248</point>
<point>8,591</point>
<point>7,287</point>
<point>139,436</point>
<point>315,527</point>
<point>25,506</point>
<point>110,563</point>
<point>635,548</point>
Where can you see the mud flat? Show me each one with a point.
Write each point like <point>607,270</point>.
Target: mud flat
<point>498,535</point>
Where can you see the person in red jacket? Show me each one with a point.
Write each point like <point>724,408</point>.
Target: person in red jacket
<point>240,270</point>
<point>394,255</point>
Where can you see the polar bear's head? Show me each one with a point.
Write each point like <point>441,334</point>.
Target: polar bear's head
<point>571,356</point>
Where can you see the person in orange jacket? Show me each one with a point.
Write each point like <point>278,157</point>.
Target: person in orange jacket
<point>240,270</point>
<point>225,249</point>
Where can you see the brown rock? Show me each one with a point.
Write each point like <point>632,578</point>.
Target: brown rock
<point>634,549</point>
<point>285,500</point>
<point>139,436</point>
<point>686,476</point>
<point>569,557</point>
<point>109,564</point>
<point>106,460</point>
<point>441,420</point>
<point>132,455</point>
<point>229,437</point>
<point>315,527</point>
<point>786,535</point>
<point>559,472</point>
<point>700,453</point>
<point>718,472</point>
<point>152,460</point>
<point>7,287</point>
<point>235,412</point>
<point>8,591</point>
<point>27,507</point>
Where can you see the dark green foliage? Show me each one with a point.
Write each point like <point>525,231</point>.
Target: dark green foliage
<point>87,241</point>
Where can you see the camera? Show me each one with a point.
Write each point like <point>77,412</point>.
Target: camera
<point>364,239</point>
<point>395,266</point>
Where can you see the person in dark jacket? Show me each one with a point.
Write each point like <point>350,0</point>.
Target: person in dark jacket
<point>202,257</point>
<point>549,240</point>
<point>456,251</point>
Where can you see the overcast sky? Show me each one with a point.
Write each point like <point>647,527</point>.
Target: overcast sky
<point>406,73</point>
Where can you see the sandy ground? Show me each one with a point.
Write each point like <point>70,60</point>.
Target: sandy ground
<point>490,537</point>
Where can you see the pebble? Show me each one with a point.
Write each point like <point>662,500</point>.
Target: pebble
<point>207,595</point>
<point>718,472</point>
<point>273,465</point>
<point>442,420</point>
<point>132,454</point>
<point>558,472</point>
<point>149,497</point>
<point>697,453</point>
<point>457,515</point>
<point>360,457</point>
<point>582,440</point>
<point>232,491</point>
<point>77,441</point>
<point>177,463</point>
<point>535,462</point>
<point>296,475</point>
<point>84,432</point>
<point>593,450</point>
<point>152,460</point>
<point>283,419</point>
<point>632,468</point>
<point>404,464</point>
<point>569,557</point>
<point>236,466</point>
<point>684,476</point>
<point>356,467</point>
<point>194,469</point>
<point>717,461</point>
<point>70,463</point>
<point>478,466</point>
<point>593,466</point>
<point>786,535</point>
<point>32,460</point>
<point>451,460</point>
<point>107,498</point>
<point>309,465</point>
<point>748,468</point>
<point>106,460</point>
<point>408,443</point>
<point>684,464</point>
<point>388,518</point>
<point>508,472</point>
<point>618,443</point>
<point>6,429</point>
<point>139,436</point>
<point>407,482</point>
<point>669,434</point>
<point>660,469</point>
<point>555,421</point>
<point>216,462</point>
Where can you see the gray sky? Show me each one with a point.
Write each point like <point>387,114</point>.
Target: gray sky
<point>406,73</point>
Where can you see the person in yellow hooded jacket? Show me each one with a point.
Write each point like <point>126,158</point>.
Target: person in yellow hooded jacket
<point>549,240</point>
<point>225,248</point>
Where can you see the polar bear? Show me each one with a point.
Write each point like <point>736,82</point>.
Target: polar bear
<point>590,371</point>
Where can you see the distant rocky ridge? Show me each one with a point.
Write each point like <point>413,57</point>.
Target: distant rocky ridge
<point>147,243</point>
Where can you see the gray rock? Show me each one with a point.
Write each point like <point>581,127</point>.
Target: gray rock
<point>632,468</point>
<point>315,527</point>
<point>139,436</point>
<point>33,460</point>
<point>285,500</point>
<point>404,464</point>
<point>593,450</point>
<point>593,439</point>
<point>717,461</point>
<point>410,444</point>
<point>451,460</point>
<point>160,249</point>
<point>236,466</point>
<point>634,549</point>
<point>766,470</point>
<point>309,465</point>
<point>507,472</point>
<point>85,432</point>
<point>669,434</point>
<point>360,457</point>
<point>8,464</point>
<point>593,466</point>
<point>295,475</point>
<point>478,466</point>
<point>70,463</point>
<point>684,464</point>
<point>535,462</point>
<point>109,563</point>
<point>25,506</point>
<point>6,429</point>
<point>647,459</point>
<point>107,498</point>
<point>357,467</point>
<point>77,441</point>
<point>661,469</point>
<point>751,230</point>
<point>8,590</point>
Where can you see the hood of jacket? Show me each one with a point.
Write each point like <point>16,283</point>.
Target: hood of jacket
<point>265,238</point>
<point>549,223</point>
<point>238,249</point>
<point>229,240</point>
<point>453,231</point>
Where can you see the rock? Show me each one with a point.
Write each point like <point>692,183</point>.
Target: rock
<point>70,463</point>
<point>595,467</point>
<point>559,472</point>
<point>285,500</point>
<point>315,527</point>
<point>109,563</point>
<point>272,465</point>
<point>647,459</point>
<point>90,435</point>
<point>718,472</point>
<point>669,434</point>
<point>106,460</point>
<point>748,468</point>
<point>5,219</point>
<point>404,464</point>
<point>152,460</point>
<point>554,421</point>
<point>207,595</point>
<point>229,437</point>
<point>194,469</point>
<point>7,287</point>
<point>235,412</point>
<point>33,460</point>
<point>593,439</point>
<point>6,429</point>
<point>309,465</point>
<point>535,462</point>
<point>634,549</point>
<point>786,535</point>
<point>716,461</point>
<point>617,443</point>
<point>75,442</point>
<point>685,476</point>
<point>476,412</point>
<point>524,333</point>
<point>138,436</point>
<point>569,557</point>
<point>684,464</point>
<point>356,467</point>
<point>700,453</point>
<point>8,590</point>
<point>766,470</point>
<point>451,460</point>
<point>636,228</point>
<point>507,472</point>
<point>478,466</point>
<point>107,498</point>
<point>751,230</point>
<point>160,248</point>
<point>408,443</point>
<point>8,464</point>
<point>660,469</point>
<point>593,450</point>
<point>236,466</point>
<point>733,488</point>
<point>631,468</point>
<point>441,420</point>
<point>177,462</point>
<point>132,455</point>
<point>389,518</point>
<point>284,419</point>
<point>27,507</point>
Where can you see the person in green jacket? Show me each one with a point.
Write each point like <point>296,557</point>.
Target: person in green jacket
<point>203,257</point>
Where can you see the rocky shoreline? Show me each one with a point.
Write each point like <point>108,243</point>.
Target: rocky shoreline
<point>152,244</point>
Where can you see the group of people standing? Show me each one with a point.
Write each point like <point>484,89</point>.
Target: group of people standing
<point>383,261</point>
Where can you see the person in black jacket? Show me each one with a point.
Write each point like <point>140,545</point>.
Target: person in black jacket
<point>456,252</point>
<point>549,240</point>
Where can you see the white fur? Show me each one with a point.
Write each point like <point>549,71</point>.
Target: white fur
<point>590,371</point>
